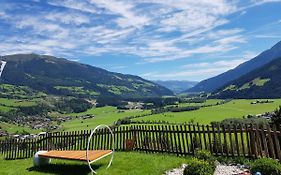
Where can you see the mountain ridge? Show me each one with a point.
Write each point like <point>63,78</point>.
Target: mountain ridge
<point>61,76</point>
<point>264,82</point>
<point>211,84</point>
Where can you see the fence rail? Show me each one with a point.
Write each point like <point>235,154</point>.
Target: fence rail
<point>237,140</point>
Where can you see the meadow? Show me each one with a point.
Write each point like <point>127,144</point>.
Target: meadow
<point>124,163</point>
<point>16,103</point>
<point>232,109</point>
<point>12,128</point>
<point>109,115</point>
<point>103,115</point>
<point>7,104</point>
<point>207,102</point>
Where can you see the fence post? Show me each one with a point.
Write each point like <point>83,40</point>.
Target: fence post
<point>277,143</point>
<point>253,141</point>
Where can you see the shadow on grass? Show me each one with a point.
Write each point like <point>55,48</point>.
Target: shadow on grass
<point>64,169</point>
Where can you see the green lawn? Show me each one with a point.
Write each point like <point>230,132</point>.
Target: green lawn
<point>104,115</point>
<point>233,109</point>
<point>124,163</point>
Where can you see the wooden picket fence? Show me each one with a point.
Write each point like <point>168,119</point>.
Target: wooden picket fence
<point>231,141</point>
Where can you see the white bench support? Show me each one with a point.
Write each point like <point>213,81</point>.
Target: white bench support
<point>88,147</point>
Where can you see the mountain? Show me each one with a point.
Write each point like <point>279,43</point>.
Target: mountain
<point>60,76</point>
<point>211,84</point>
<point>264,82</point>
<point>176,86</point>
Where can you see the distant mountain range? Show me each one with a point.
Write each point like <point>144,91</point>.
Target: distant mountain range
<point>214,83</point>
<point>264,82</point>
<point>51,75</point>
<point>175,85</point>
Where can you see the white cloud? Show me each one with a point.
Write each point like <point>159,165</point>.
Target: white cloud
<point>125,10</point>
<point>229,64</point>
<point>179,54</point>
<point>142,28</point>
<point>196,71</point>
<point>260,2</point>
<point>184,75</point>
<point>248,55</point>
<point>231,39</point>
<point>68,18</point>
<point>223,32</point>
<point>74,4</point>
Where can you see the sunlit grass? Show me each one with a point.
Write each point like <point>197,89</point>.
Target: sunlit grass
<point>233,109</point>
<point>124,163</point>
<point>104,115</point>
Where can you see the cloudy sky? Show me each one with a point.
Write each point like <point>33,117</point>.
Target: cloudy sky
<point>155,39</point>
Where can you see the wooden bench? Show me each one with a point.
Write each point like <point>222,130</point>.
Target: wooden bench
<point>94,155</point>
<point>88,156</point>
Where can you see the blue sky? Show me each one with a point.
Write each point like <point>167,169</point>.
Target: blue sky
<point>155,39</point>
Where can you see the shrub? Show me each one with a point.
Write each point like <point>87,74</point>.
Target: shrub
<point>233,160</point>
<point>266,166</point>
<point>276,117</point>
<point>206,156</point>
<point>203,155</point>
<point>199,167</point>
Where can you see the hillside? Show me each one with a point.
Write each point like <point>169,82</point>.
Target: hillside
<point>41,74</point>
<point>176,86</point>
<point>211,84</point>
<point>264,82</point>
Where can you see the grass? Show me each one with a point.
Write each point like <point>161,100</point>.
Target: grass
<point>16,103</point>
<point>11,128</point>
<point>104,115</point>
<point>4,108</point>
<point>8,104</point>
<point>108,115</point>
<point>233,109</point>
<point>22,92</point>
<point>124,163</point>
<point>208,102</point>
<point>77,90</point>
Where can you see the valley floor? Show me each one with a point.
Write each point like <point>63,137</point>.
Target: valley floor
<point>205,115</point>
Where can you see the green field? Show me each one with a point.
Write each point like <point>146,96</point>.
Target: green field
<point>108,115</point>
<point>208,102</point>
<point>124,163</point>
<point>232,109</point>
<point>11,128</point>
<point>4,108</point>
<point>104,115</point>
<point>8,104</point>
<point>16,103</point>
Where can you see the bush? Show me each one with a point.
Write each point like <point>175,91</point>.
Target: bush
<point>266,166</point>
<point>203,155</point>
<point>206,156</point>
<point>276,118</point>
<point>199,167</point>
<point>234,160</point>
